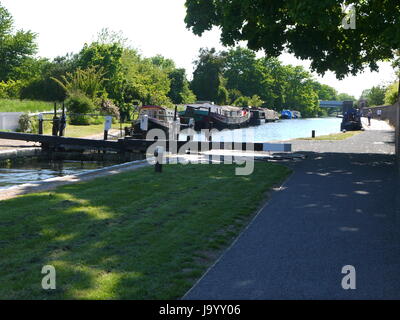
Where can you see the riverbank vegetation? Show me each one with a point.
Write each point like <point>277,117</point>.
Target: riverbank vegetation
<point>109,76</point>
<point>136,235</point>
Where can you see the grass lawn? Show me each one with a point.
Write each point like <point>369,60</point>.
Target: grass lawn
<point>82,131</point>
<point>335,136</point>
<point>12,105</point>
<point>136,235</point>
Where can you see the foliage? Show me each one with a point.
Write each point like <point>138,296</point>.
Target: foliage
<point>308,29</point>
<point>392,93</point>
<point>346,97</point>
<point>375,95</point>
<point>180,92</point>
<point>15,47</point>
<point>24,123</point>
<point>88,81</point>
<point>10,89</point>
<point>208,82</point>
<point>78,105</point>
<point>254,101</point>
<point>107,107</point>
<point>43,87</point>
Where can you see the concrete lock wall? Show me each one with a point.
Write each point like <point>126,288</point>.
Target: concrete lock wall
<point>9,120</point>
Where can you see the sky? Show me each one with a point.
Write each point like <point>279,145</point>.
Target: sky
<point>151,26</point>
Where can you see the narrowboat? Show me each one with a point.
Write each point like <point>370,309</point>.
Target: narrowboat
<point>207,116</point>
<point>158,117</point>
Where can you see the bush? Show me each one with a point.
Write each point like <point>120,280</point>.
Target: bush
<point>10,89</point>
<point>25,124</point>
<point>108,108</point>
<point>78,104</point>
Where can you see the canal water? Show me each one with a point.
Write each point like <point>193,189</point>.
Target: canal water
<point>33,171</point>
<point>277,131</point>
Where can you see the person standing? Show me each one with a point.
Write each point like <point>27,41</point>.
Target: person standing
<point>369,117</point>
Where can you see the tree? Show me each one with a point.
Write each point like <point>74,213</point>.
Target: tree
<point>346,97</point>
<point>392,93</point>
<point>208,83</point>
<point>309,29</point>
<point>108,57</point>
<point>325,92</point>
<point>15,47</point>
<point>375,95</point>
<point>179,92</point>
<point>242,71</point>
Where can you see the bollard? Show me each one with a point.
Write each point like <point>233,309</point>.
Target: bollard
<point>158,153</point>
<point>313,134</point>
<point>40,123</point>
<point>63,122</point>
<point>56,126</point>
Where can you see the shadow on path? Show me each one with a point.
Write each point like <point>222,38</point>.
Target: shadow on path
<point>337,209</point>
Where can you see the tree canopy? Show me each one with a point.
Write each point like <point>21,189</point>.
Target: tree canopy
<point>16,47</point>
<point>309,29</point>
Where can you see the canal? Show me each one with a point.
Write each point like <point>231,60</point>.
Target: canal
<point>17,173</point>
<point>277,131</point>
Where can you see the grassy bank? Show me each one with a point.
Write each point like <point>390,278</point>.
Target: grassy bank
<point>336,136</point>
<point>135,235</point>
<point>9,105</point>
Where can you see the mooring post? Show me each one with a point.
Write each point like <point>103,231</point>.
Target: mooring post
<point>63,121</point>
<point>313,134</point>
<point>56,121</point>
<point>158,154</point>
<point>40,123</point>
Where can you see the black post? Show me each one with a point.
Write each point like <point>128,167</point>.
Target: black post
<point>40,124</point>
<point>313,134</point>
<point>63,121</point>
<point>56,121</point>
<point>158,166</point>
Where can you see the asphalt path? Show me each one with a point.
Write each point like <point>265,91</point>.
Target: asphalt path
<point>339,208</point>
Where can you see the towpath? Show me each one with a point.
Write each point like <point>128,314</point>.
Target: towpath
<point>340,207</point>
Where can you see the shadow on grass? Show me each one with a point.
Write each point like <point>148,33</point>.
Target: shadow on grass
<point>135,235</point>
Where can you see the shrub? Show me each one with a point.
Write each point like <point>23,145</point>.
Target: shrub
<point>10,89</point>
<point>108,108</point>
<point>78,104</point>
<point>25,124</point>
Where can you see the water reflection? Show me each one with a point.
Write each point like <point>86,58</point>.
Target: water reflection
<point>20,173</point>
<point>281,130</point>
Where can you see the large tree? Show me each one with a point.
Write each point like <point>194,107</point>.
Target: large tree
<point>315,30</point>
<point>16,47</point>
<point>208,83</point>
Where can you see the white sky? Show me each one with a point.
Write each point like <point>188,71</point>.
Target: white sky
<point>152,26</point>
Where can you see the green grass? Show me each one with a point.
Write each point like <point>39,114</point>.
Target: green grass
<point>136,235</point>
<point>335,136</point>
<point>81,131</point>
<point>9,105</point>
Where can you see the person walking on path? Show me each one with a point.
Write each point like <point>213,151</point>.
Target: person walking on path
<point>369,117</point>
